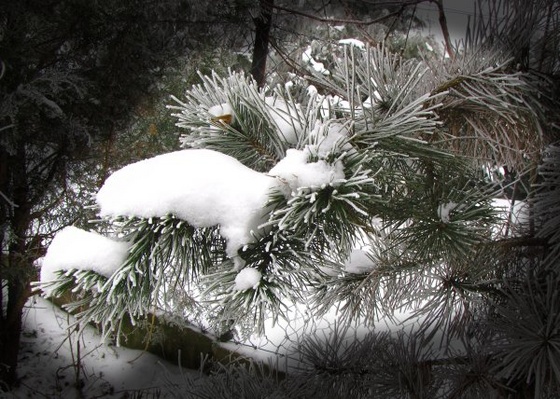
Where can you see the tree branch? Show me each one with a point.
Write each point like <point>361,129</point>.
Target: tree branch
<point>444,28</point>
<point>349,21</point>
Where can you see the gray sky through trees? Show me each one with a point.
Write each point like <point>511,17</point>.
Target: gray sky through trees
<point>457,13</point>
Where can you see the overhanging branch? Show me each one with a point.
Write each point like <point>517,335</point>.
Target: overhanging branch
<point>349,21</point>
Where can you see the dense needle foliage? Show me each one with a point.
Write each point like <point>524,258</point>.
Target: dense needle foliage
<point>424,146</point>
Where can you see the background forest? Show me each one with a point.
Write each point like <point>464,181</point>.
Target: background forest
<point>387,155</point>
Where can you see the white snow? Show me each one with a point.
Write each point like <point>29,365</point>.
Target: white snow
<point>247,278</point>
<point>48,352</point>
<point>516,213</point>
<point>359,262</point>
<point>285,117</point>
<point>329,137</point>
<point>203,187</point>
<point>295,171</point>
<point>444,210</point>
<point>307,58</point>
<point>312,90</point>
<point>353,42</point>
<point>222,112</point>
<point>369,102</point>
<point>329,102</point>
<point>80,249</point>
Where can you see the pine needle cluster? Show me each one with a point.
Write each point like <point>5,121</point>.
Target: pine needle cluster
<point>413,143</point>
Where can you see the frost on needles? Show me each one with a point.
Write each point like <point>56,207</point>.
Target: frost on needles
<point>355,190</point>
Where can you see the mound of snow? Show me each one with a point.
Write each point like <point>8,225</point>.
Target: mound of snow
<point>203,187</point>
<point>73,248</point>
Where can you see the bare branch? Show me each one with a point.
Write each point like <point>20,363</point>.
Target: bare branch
<point>9,201</point>
<point>444,28</point>
<point>350,21</point>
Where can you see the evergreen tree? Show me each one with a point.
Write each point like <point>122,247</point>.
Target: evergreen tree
<point>370,190</point>
<point>71,75</point>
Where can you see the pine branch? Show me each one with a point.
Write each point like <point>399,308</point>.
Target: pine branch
<point>260,128</point>
<point>490,110</point>
<point>547,204</point>
<point>166,255</point>
<point>527,339</point>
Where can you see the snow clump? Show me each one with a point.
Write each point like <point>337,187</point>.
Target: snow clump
<point>307,58</point>
<point>330,138</point>
<point>359,262</point>
<point>296,172</point>
<point>248,278</point>
<point>444,210</point>
<point>353,42</point>
<point>221,113</point>
<point>73,248</point>
<point>203,187</point>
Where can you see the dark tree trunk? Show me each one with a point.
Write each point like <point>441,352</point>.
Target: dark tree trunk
<point>263,24</point>
<point>444,28</point>
<point>16,265</point>
<point>10,331</point>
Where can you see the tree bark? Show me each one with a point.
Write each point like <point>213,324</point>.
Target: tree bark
<point>10,331</point>
<point>444,28</point>
<point>263,23</point>
<point>17,268</point>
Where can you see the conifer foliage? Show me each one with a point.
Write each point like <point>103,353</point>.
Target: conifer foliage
<point>396,159</point>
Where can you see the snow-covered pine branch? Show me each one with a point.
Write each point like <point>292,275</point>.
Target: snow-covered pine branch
<point>272,197</point>
<point>233,116</point>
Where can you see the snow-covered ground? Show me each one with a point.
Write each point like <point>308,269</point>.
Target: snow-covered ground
<point>48,358</point>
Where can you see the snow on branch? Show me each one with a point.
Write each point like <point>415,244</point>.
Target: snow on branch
<point>203,187</point>
<point>73,248</point>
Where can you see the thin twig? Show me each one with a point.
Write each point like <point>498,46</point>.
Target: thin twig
<point>9,201</point>
<point>347,21</point>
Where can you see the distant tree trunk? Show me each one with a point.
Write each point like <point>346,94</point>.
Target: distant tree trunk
<point>263,22</point>
<point>444,28</point>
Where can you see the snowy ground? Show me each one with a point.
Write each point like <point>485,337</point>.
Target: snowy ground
<point>48,357</point>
